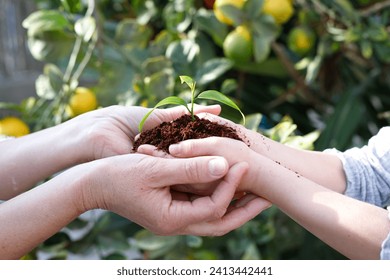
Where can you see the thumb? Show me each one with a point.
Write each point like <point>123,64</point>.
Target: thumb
<point>173,171</point>
<point>176,112</point>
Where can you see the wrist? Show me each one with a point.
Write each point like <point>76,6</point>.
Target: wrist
<point>260,175</point>
<point>250,181</point>
<point>84,184</point>
<point>78,144</point>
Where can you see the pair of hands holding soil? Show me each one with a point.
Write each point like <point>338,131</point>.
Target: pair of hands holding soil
<point>222,216</point>
<point>188,191</point>
<point>202,203</point>
<point>296,181</point>
<point>96,168</point>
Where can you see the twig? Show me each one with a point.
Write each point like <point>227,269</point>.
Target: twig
<point>291,92</point>
<point>375,8</point>
<point>293,72</point>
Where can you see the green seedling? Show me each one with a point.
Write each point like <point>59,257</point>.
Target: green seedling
<point>208,94</point>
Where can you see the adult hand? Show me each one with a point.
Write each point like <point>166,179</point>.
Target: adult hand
<point>139,187</point>
<point>111,131</point>
<point>135,186</point>
<point>101,133</point>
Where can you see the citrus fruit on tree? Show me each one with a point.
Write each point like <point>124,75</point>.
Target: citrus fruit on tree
<point>219,13</point>
<point>280,10</point>
<point>83,100</point>
<point>301,40</point>
<point>13,126</point>
<point>238,45</point>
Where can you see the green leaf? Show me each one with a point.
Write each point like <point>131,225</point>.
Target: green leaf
<point>282,131</point>
<point>160,84</point>
<point>184,55</point>
<point>189,81</point>
<point>55,76</point>
<point>303,142</point>
<point>208,23</point>
<point>251,252</point>
<point>232,12</point>
<point>342,124</point>
<point>261,50</point>
<point>205,254</point>
<point>212,70</point>
<point>116,240</point>
<point>193,241</point>
<point>50,46</point>
<point>265,32</point>
<point>85,28</point>
<point>217,96</point>
<point>50,83</point>
<point>383,51</point>
<point>177,20</point>
<point>9,106</point>
<point>160,43</point>
<point>72,6</point>
<point>43,88</point>
<point>171,100</point>
<point>348,115</point>
<point>378,33</point>
<point>366,48</point>
<point>130,32</point>
<point>77,224</point>
<point>253,121</point>
<point>346,10</point>
<point>252,8</point>
<point>229,85</point>
<point>145,11</point>
<point>146,240</point>
<point>155,64</point>
<point>266,28</point>
<point>313,69</point>
<point>45,20</point>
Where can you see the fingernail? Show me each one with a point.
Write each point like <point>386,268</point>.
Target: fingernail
<point>217,166</point>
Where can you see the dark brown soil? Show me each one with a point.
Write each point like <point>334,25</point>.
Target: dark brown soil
<point>183,128</point>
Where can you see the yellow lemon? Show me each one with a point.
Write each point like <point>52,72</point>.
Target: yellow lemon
<point>281,10</point>
<point>13,126</point>
<point>238,45</point>
<point>301,40</point>
<point>219,13</point>
<point>83,100</point>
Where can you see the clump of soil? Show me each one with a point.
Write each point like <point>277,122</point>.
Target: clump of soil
<point>183,128</point>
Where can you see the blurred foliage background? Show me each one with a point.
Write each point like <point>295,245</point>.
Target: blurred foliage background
<point>312,74</point>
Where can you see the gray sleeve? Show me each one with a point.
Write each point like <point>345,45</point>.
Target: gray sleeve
<point>367,169</point>
<point>385,250</point>
<point>368,175</point>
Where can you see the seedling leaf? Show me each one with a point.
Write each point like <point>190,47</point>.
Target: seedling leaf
<point>217,96</point>
<point>170,100</point>
<point>209,94</point>
<point>189,81</point>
